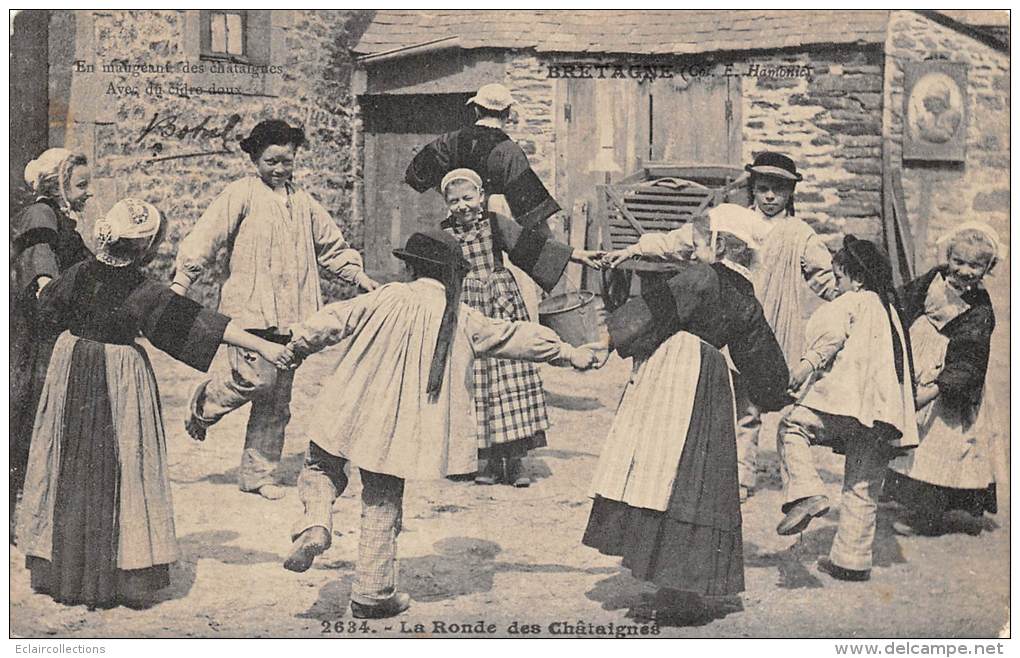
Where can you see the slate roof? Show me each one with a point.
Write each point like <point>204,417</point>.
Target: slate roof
<point>631,32</point>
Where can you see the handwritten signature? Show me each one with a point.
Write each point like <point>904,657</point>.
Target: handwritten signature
<point>171,126</point>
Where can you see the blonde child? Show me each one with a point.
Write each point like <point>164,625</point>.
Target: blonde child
<point>951,322</point>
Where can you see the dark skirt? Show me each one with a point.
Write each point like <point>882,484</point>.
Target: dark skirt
<point>935,499</point>
<point>83,565</point>
<point>30,348</point>
<point>696,544</point>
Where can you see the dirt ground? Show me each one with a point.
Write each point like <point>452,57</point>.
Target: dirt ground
<point>500,555</point>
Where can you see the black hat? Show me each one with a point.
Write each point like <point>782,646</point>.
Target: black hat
<point>436,247</point>
<point>770,163</point>
<point>869,257</point>
<point>269,132</point>
<point>433,246</point>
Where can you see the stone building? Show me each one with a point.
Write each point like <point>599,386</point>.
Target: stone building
<point>159,99</point>
<point>709,87</point>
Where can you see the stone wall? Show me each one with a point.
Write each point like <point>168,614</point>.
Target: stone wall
<point>832,122</point>
<point>829,122</point>
<point>939,196</point>
<point>147,135</point>
<point>535,128</point>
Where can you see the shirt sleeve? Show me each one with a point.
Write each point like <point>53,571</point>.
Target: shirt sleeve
<point>217,226</point>
<point>34,247</point>
<point>333,323</point>
<point>431,163</point>
<point>528,198</point>
<point>816,265</point>
<point>331,249</point>
<point>677,244</point>
<point>182,327</point>
<point>525,341</point>
<point>536,253</point>
<point>827,331</point>
<point>56,299</point>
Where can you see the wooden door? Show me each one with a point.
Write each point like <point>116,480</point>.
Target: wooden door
<point>695,122</point>
<point>590,112</point>
<point>396,127</point>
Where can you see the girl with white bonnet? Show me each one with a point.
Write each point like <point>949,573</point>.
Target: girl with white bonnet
<point>666,489</point>
<point>44,242</point>
<point>509,401</point>
<point>97,523</point>
<point>951,321</point>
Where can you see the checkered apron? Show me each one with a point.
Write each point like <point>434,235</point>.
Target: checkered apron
<point>509,402</point>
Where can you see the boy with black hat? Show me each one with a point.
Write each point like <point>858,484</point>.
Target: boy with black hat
<point>791,255</point>
<point>399,405</point>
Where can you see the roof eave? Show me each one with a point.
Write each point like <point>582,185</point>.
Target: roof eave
<point>434,45</point>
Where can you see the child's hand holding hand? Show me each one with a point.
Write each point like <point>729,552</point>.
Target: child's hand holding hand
<point>616,258</point>
<point>294,356</point>
<point>279,355</point>
<point>929,376</point>
<point>592,259</point>
<point>600,349</point>
<point>366,282</point>
<point>582,358</point>
<point>800,374</point>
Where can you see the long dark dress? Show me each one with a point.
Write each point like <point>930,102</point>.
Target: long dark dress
<point>44,242</point>
<point>943,471</point>
<point>695,542</point>
<point>501,163</point>
<point>97,519</point>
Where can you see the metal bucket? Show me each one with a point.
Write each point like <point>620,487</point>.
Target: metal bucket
<point>572,315</point>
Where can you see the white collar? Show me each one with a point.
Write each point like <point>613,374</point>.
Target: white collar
<point>490,122</point>
<point>429,281</point>
<point>113,261</point>
<point>738,268</point>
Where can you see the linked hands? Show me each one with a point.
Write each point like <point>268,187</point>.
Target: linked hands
<point>367,283</point>
<point>599,350</point>
<point>613,259</point>
<point>601,260</point>
<point>799,375</point>
<point>592,259</point>
<point>283,357</point>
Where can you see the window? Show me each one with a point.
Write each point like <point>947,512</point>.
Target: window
<point>224,35</point>
<point>233,41</point>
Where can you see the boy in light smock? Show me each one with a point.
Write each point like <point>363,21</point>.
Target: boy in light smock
<point>855,396</point>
